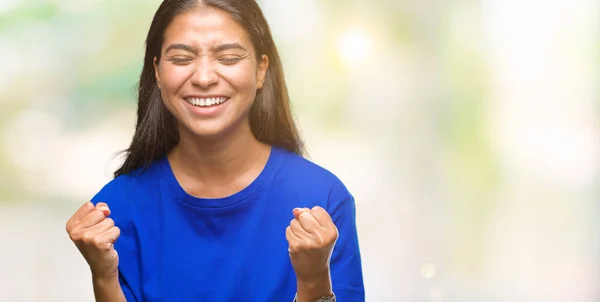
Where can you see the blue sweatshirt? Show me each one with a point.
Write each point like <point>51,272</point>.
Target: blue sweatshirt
<point>177,247</point>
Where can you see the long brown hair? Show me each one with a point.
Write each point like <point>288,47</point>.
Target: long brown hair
<point>271,120</point>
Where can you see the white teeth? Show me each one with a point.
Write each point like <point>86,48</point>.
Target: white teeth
<point>206,101</point>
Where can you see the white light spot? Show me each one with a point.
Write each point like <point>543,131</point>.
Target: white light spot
<point>354,46</point>
<point>428,270</point>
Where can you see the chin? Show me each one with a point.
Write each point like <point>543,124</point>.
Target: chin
<point>212,130</point>
<point>207,133</point>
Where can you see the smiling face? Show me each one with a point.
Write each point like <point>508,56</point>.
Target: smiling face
<point>208,73</point>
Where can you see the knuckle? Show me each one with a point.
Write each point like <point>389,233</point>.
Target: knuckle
<point>306,244</point>
<point>317,209</point>
<point>88,238</point>
<point>75,236</point>
<point>322,241</point>
<point>294,223</point>
<point>97,242</point>
<point>309,246</point>
<point>334,234</point>
<point>110,222</point>
<point>294,246</point>
<point>68,226</point>
<point>105,246</point>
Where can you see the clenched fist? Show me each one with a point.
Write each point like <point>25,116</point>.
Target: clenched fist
<point>94,235</point>
<point>311,237</point>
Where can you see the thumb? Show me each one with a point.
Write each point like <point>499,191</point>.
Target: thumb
<point>298,211</point>
<point>104,208</point>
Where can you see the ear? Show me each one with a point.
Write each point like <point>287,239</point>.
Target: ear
<point>156,73</point>
<point>261,71</point>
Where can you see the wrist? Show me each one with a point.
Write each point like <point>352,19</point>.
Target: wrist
<point>107,288</point>
<point>313,288</point>
<point>105,278</point>
<point>104,272</point>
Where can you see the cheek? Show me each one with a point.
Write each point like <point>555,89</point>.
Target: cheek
<point>242,78</point>
<point>173,77</point>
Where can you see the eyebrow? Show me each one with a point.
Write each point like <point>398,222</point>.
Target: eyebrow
<point>228,46</point>
<point>217,48</point>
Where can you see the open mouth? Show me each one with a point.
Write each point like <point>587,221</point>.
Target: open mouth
<point>207,102</point>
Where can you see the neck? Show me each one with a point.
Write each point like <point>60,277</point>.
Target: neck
<point>207,167</point>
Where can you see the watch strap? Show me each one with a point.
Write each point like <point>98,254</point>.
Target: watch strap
<point>330,298</point>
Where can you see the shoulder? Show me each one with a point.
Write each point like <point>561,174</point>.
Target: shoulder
<point>116,187</point>
<point>305,174</point>
<point>120,187</point>
<point>121,192</point>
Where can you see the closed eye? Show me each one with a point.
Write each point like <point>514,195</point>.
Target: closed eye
<point>180,61</point>
<point>229,60</point>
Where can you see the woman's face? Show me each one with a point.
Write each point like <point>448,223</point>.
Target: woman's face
<point>208,73</point>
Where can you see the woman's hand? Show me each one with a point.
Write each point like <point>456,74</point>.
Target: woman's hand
<point>94,235</point>
<point>311,237</point>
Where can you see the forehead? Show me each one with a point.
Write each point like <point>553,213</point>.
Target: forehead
<point>205,27</point>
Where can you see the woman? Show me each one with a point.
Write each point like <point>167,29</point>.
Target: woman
<point>214,201</point>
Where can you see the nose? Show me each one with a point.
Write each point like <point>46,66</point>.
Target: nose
<point>205,74</point>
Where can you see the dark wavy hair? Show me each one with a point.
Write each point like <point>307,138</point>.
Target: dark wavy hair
<point>156,131</point>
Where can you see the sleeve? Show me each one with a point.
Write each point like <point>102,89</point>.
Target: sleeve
<point>126,289</point>
<point>115,195</point>
<point>346,265</point>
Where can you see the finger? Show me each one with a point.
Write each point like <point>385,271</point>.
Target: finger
<point>92,219</point>
<point>322,217</point>
<point>83,210</point>
<point>292,239</point>
<point>104,208</point>
<point>103,226</point>
<point>298,211</point>
<point>298,231</point>
<point>308,222</point>
<point>290,236</point>
<point>110,236</point>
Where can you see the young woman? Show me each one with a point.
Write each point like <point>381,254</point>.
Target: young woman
<point>214,201</point>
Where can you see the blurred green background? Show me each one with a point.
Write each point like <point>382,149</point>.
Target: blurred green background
<point>467,130</point>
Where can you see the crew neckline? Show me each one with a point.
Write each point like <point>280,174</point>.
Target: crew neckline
<point>263,177</point>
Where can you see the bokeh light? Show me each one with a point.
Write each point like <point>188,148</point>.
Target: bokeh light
<point>354,46</point>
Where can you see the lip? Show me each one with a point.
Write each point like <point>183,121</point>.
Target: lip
<point>206,111</point>
<point>204,96</point>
